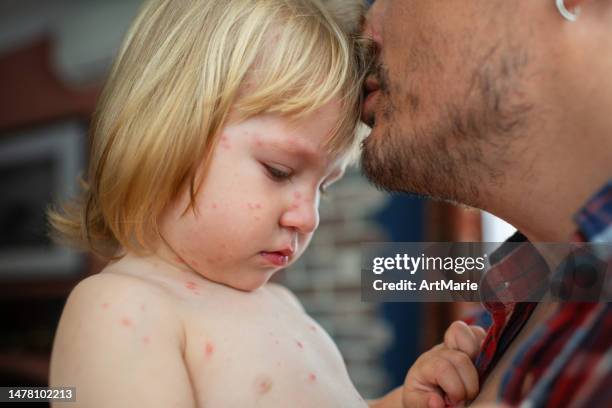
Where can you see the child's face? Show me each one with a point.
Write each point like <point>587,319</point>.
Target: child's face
<point>258,205</point>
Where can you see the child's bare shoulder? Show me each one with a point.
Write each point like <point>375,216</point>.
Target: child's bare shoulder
<point>285,295</point>
<point>115,332</point>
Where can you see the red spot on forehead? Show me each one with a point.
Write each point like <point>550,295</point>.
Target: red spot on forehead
<point>191,285</point>
<point>126,322</point>
<point>209,349</point>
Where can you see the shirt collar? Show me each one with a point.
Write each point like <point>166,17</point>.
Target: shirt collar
<point>594,219</point>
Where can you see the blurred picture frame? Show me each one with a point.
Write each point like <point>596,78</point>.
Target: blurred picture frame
<point>38,167</point>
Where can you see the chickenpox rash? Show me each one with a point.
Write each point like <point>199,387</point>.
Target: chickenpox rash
<point>313,327</point>
<point>263,385</point>
<point>214,206</point>
<point>225,142</point>
<point>209,349</point>
<point>299,344</point>
<point>105,306</point>
<point>297,195</point>
<point>312,377</point>
<point>146,339</point>
<point>142,307</point>
<point>125,322</point>
<point>191,285</point>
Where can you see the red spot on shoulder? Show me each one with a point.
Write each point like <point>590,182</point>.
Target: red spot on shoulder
<point>312,377</point>
<point>299,344</point>
<point>313,327</point>
<point>209,349</point>
<point>126,322</point>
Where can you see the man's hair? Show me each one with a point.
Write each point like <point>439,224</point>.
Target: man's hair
<point>183,66</point>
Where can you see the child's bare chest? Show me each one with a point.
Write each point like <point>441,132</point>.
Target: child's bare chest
<point>264,355</point>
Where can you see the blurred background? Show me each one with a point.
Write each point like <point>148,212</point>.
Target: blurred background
<point>54,56</point>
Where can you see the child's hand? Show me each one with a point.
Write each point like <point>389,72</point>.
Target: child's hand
<point>445,375</point>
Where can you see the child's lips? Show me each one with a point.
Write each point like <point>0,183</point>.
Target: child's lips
<point>276,258</point>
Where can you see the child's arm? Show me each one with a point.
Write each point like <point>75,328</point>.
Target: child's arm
<point>444,373</point>
<point>119,343</point>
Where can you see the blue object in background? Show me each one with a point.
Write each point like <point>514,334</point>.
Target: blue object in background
<point>402,220</point>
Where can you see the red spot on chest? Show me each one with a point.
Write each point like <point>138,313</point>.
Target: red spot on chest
<point>263,385</point>
<point>209,349</point>
<point>126,322</point>
<point>312,377</point>
<point>191,285</point>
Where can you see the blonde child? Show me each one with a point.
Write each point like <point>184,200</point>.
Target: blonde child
<point>220,126</point>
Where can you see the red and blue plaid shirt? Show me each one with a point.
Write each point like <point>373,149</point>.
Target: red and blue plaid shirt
<point>567,360</point>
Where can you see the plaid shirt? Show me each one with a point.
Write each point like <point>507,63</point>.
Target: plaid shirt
<point>567,360</point>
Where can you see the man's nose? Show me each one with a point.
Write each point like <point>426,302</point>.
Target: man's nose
<point>302,215</point>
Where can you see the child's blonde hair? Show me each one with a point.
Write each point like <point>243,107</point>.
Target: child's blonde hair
<point>183,66</point>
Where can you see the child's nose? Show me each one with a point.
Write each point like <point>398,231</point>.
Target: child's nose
<point>303,216</point>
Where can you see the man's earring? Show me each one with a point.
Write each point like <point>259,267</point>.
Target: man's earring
<point>568,15</point>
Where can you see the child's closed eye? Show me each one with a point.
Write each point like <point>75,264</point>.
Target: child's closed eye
<point>277,174</point>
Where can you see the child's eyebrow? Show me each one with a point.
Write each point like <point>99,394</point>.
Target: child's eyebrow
<point>294,149</point>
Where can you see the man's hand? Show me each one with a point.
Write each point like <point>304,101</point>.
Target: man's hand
<point>445,375</point>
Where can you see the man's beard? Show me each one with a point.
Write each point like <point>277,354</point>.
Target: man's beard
<point>456,157</point>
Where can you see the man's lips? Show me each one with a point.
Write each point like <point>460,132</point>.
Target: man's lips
<point>371,89</point>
